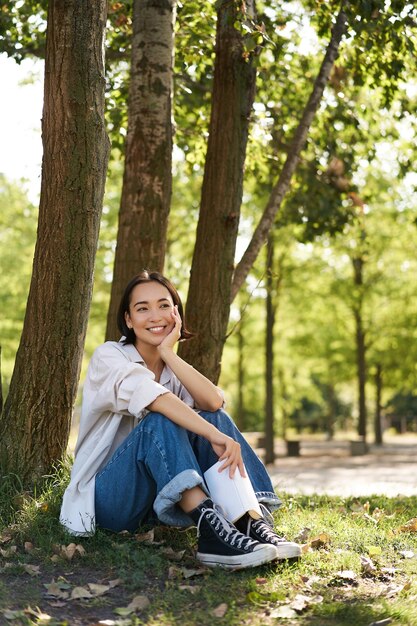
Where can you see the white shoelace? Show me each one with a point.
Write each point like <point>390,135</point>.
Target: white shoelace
<point>231,534</point>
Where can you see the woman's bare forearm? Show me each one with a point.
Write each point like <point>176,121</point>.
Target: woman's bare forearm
<point>206,395</point>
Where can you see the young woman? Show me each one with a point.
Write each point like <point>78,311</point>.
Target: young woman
<point>150,426</point>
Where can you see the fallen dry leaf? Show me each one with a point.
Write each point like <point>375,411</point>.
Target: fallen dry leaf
<point>57,590</point>
<point>346,574</point>
<point>98,590</point>
<point>220,611</point>
<point>392,590</point>
<point>189,573</point>
<point>8,552</point>
<point>367,565</point>
<point>261,581</point>
<point>407,554</point>
<point>284,612</point>
<point>137,604</point>
<point>300,603</point>
<point>173,572</point>
<point>148,538</point>
<point>319,541</point>
<point>172,554</point>
<point>389,571</point>
<point>28,547</point>
<point>5,537</point>
<point>303,535</point>
<point>81,593</point>
<point>408,527</point>
<point>32,570</point>
<point>191,588</point>
<point>68,552</point>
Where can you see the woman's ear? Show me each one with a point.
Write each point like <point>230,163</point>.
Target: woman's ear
<point>127,320</point>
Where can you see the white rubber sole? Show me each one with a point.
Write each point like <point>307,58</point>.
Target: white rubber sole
<point>263,553</point>
<point>287,550</point>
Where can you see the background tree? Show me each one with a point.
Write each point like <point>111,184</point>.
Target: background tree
<point>221,195</point>
<point>36,417</point>
<point>147,178</point>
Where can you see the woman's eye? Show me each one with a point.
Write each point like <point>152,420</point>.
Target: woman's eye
<point>165,306</point>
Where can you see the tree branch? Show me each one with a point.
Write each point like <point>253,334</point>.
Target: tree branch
<point>277,195</point>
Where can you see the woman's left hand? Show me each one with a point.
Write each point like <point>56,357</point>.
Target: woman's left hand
<point>228,450</point>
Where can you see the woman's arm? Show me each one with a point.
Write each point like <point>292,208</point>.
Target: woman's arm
<point>206,395</point>
<point>225,447</point>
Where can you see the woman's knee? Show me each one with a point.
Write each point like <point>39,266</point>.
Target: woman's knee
<point>219,418</point>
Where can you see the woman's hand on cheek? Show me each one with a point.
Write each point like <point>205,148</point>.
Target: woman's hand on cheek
<point>171,339</point>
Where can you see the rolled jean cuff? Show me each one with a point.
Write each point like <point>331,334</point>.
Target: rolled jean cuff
<point>165,505</point>
<point>270,499</point>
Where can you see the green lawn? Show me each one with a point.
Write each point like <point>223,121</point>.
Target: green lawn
<point>359,567</point>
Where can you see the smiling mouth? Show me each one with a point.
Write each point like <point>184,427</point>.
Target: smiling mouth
<point>156,329</point>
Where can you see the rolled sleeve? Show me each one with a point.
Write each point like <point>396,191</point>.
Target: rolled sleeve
<point>138,392</point>
<point>117,385</point>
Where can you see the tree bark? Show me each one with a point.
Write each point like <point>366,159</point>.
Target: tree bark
<point>36,418</point>
<point>240,416</point>
<point>378,406</point>
<point>147,179</point>
<point>278,193</point>
<point>209,295</point>
<point>269,356</point>
<point>360,346</point>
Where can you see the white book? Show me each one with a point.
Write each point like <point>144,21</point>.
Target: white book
<point>234,495</point>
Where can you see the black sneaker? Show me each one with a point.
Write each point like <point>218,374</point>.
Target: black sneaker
<point>220,544</point>
<point>261,531</point>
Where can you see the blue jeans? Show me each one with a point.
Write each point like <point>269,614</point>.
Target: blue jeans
<point>159,460</point>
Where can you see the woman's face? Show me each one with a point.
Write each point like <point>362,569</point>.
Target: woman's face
<point>150,313</point>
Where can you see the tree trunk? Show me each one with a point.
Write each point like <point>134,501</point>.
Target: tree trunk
<point>378,389</point>
<point>283,390</point>
<point>147,180</point>
<point>36,418</point>
<point>360,346</point>
<point>331,414</point>
<point>278,193</point>
<point>209,295</point>
<point>240,409</point>
<point>269,357</point>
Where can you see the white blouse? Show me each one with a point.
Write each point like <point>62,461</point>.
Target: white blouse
<point>117,389</point>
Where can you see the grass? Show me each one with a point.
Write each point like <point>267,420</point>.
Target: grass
<point>327,587</point>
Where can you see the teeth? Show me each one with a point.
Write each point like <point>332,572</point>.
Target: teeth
<point>156,329</point>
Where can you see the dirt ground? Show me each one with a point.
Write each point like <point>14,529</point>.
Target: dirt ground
<point>328,468</point>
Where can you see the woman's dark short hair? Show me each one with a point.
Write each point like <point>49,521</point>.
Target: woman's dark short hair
<point>147,277</point>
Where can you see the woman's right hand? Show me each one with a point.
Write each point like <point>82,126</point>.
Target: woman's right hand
<point>228,450</point>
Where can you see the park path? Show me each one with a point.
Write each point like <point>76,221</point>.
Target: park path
<point>327,468</point>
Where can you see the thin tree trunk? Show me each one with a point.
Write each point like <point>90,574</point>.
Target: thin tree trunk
<point>278,193</point>
<point>209,295</point>
<point>331,416</point>
<point>269,356</point>
<point>360,347</point>
<point>283,388</point>
<point>240,409</point>
<point>378,395</point>
<point>36,418</point>
<point>1,387</point>
<point>147,180</point>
